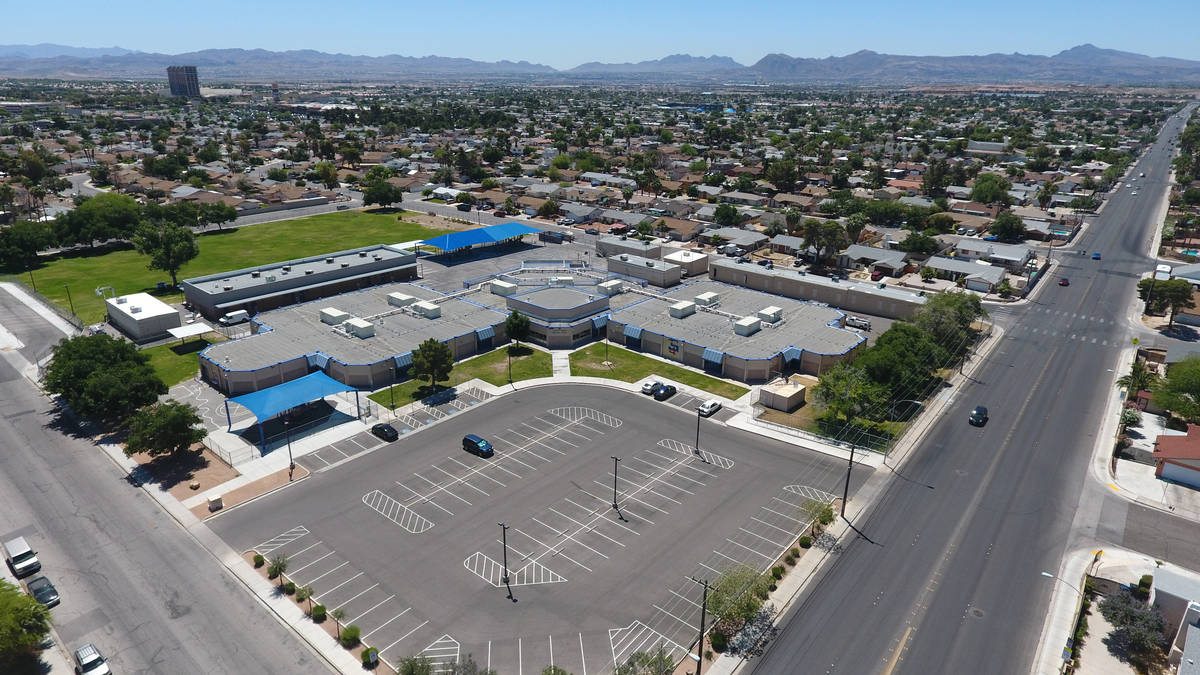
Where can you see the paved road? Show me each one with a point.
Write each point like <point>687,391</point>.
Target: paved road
<point>951,579</point>
<point>132,580</point>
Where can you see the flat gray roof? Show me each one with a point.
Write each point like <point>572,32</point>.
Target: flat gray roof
<point>805,325</point>
<point>559,297</point>
<point>890,292</point>
<point>297,330</point>
<point>345,262</point>
<point>639,261</point>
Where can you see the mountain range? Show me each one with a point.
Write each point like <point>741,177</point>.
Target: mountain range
<point>1085,64</point>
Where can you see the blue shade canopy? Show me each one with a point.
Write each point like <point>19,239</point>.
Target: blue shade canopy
<point>269,402</point>
<point>480,235</point>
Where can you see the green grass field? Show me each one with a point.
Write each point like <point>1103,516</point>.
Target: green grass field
<point>492,367</point>
<point>630,366</point>
<point>126,272</point>
<point>176,362</point>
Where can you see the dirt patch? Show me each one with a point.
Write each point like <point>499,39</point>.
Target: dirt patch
<point>177,473</point>
<point>253,489</point>
<point>438,222</point>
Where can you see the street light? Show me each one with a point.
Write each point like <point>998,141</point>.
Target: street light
<point>1058,578</point>
<point>504,543</point>
<point>615,460</point>
<point>697,446</point>
<point>903,400</point>
<point>288,435</point>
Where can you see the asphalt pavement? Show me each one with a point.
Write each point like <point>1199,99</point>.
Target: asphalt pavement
<point>950,580</point>
<point>132,580</point>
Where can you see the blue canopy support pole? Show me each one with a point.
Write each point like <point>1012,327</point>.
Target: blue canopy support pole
<point>227,416</point>
<point>357,408</point>
<point>262,437</point>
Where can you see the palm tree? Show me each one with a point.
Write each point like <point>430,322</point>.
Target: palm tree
<point>277,566</point>
<point>1140,378</point>
<point>1046,193</point>
<point>338,614</point>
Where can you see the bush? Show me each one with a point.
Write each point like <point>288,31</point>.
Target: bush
<point>289,587</point>
<point>350,636</point>
<point>806,541</point>
<point>318,613</point>
<point>259,561</point>
<point>795,553</point>
<point>777,572</point>
<point>367,655</point>
<point>303,593</point>
<point>772,587</point>
<point>789,560</point>
<point>718,641</point>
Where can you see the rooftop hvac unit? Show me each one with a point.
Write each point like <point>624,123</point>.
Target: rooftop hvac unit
<point>228,287</point>
<point>308,271</point>
<point>504,288</point>
<point>270,278</point>
<point>333,316</point>
<point>345,265</point>
<point>400,299</point>
<point>287,268</point>
<point>255,274</point>
<point>360,328</point>
<point>748,325</point>
<point>770,314</point>
<point>610,287</point>
<point>121,301</point>
<point>134,310</point>
<point>649,263</point>
<point>378,257</point>
<point>682,309</point>
<point>707,299</point>
<point>329,261</point>
<point>427,309</point>
<point>362,254</point>
<point>624,257</point>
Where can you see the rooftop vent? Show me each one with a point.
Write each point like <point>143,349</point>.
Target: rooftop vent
<point>270,278</point>
<point>345,264</point>
<point>362,254</point>
<point>255,274</point>
<point>134,310</point>
<point>121,301</point>
<point>287,268</point>
<point>228,287</point>
<point>308,271</point>
<point>329,261</point>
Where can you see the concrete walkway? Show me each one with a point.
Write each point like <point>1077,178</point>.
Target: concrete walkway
<point>560,360</point>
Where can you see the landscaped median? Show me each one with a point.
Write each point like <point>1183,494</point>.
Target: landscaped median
<point>493,367</point>
<point>628,366</point>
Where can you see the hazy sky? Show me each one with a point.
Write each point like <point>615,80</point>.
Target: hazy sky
<point>566,33</point>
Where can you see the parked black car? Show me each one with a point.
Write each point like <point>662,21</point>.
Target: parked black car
<point>665,392</point>
<point>385,431</point>
<point>43,591</point>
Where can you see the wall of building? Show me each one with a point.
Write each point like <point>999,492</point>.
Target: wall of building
<point>664,278</point>
<point>847,296</point>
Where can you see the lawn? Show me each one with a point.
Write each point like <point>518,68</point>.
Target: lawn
<point>630,366</point>
<point>492,367</point>
<point>125,270</point>
<point>176,362</point>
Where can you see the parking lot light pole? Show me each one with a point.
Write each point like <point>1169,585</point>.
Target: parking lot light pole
<point>615,459</point>
<point>69,300</point>
<point>697,447</point>
<point>288,435</point>
<point>846,490</point>
<point>504,543</point>
<point>703,616</point>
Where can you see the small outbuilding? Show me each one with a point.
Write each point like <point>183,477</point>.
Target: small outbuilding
<point>142,317</point>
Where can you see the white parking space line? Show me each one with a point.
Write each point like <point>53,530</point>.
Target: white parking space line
<point>710,568</point>
<point>625,496</point>
<point>356,595</point>
<point>588,528</point>
<point>784,501</point>
<point>464,481</point>
<point>755,534</point>
<point>687,624</point>
<point>582,658</point>
<point>326,593</point>
<point>281,540</point>
<point>591,512</point>
<point>312,581</point>
<point>731,558</point>
<point>683,597</point>
<point>444,488</point>
<point>338,451</point>
<point>419,498</point>
<point>555,435</point>
<point>368,634</point>
<point>551,637</point>
<point>402,637</point>
<point>547,548</point>
<point>569,537</point>
<point>373,608</point>
<point>480,474</point>
<point>518,461</point>
<point>295,572</point>
<point>292,556</point>
<point>773,527</point>
<point>754,551</point>
<point>781,515</point>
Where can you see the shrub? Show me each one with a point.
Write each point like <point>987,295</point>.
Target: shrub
<point>795,553</point>
<point>289,587</point>
<point>368,655</point>
<point>777,572</point>
<point>318,613</point>
<point>772,587</point>
<point>806,542</point>
<point>350,636</point>
<point>259,560</point>
<point>789,560</point>
<point>718,641</point>
<point>303,593</point>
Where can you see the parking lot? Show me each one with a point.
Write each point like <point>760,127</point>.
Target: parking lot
<point>408,540</point>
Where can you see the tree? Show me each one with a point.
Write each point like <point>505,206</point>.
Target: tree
<point>903,355</point>
<point>548,209</point>
<point>432,360</point>
<point>102,378</point>
<point>824,237</point>
<point>947,319</point>
<point>944,223</point>
<point>337,614</point>
<point>1177,294</point>
<point>382,193</point>
<point>626,194</point>
<point>792,217</point>
<point>277,566</point>
<point>656,662</point>
<point>106,216</point>
<point>782,174</point>
<point>1046,192</point>
<point>554,670</point>
<point>1007,226</point>
<point>919,242</point>
<point>734,596</point>
<point>169,246</point>
<point>516,326</point>
<point>24,624</point>
<point>991,188</point>
<point>845,390</point>
<point>855,224</point>
<point>1138,627</point>
<point>216,213</point>
<point>327,173</point>
<point>164,428</point>
<point>727,215</point>
<point>20,243</point>
<point>1179,391</point>
<point>444,175</point>
<point>1140,378</point>
<point>351,155</point>
<point>415,665</point>
<point>277,174</point>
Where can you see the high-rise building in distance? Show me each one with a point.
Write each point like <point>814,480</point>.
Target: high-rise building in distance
<point>183,81</point>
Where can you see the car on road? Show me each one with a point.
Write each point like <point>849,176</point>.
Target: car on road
<point>463,207</point>
<point>89,661</point>
<point>21,557</point>
<point>342,207</point>
<point>385,431</point>
<point>476,445</point>
<point>979,416</point>
<point>764,262</point>
<point>1096,255</point>
<point>1064,282</point>
<point>591,230</point>
<point>651,387</point>
<point>858,322</point>
<point>665,392</point>
<point>43,591</point>
<point>709,407</point>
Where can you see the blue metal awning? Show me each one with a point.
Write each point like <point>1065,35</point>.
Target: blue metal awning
<point>600,321</point>
<point>318,360</point>
<point>792,354</point>
<point>480,235</point>
<point>713,355</point>
<point>267,403</point>
<point>486,333</point>
<point>633,332</point>
<point>404,360</point>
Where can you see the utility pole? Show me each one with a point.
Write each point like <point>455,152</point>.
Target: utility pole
<point>703,616</point>
<point>615,506</point>
<point>846,490</point>
<point>697,450</point>
<point>287,433</point>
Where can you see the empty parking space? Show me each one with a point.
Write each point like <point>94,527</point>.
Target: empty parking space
<point>416,544</point>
